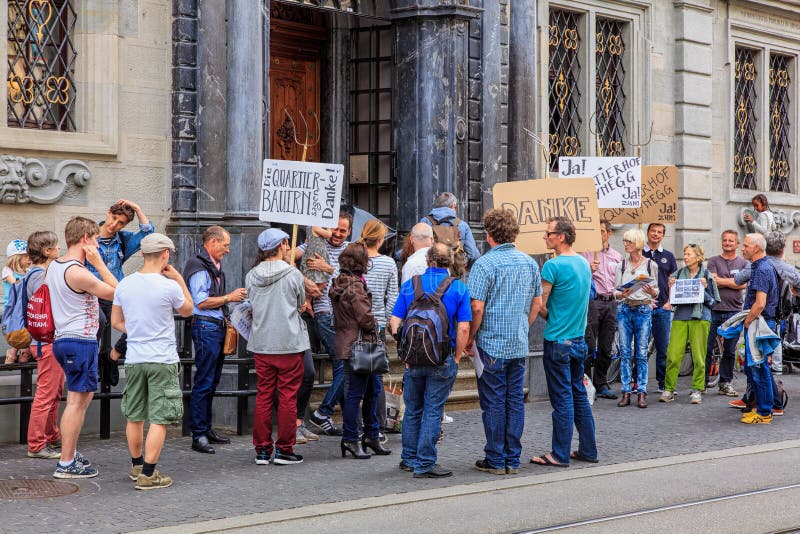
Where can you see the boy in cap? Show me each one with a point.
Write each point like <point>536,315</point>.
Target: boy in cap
<point>143,307</point>
<point>278,338</point>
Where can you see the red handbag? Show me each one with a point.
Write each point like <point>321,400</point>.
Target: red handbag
<point>40,323</point>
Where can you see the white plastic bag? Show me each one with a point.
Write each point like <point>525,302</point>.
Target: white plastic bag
<point>591,392</point>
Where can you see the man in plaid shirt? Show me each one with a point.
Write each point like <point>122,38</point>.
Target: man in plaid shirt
<point>506,288</point>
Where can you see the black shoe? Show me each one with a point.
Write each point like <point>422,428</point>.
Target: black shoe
<point>201,444</point>
<point>376,446</point>
<point>325,425</point>
<point>354,448</point>
<point>437,471</point>
<point>286,458</point>
<point>405,467</point>
<point>213,437</point>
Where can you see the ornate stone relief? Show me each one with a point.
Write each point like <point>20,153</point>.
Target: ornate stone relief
<point>786,221</point>
<point>24,180</point>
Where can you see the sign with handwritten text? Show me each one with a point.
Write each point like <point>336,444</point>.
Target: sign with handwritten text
<point>533,202</point>
<point>659,199</point>
<point>299,192</point>
<point>618,181</point>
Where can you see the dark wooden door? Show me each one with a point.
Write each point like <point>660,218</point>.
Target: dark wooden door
<point>294,96</point>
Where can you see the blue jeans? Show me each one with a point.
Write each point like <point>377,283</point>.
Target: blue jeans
<point>362,390</point>
<point>425,390</point>
<point>563,368</point>
<point>500,390</point>
<point>326,333</point>
<point>662,324</point>
<point>208,338</point>
<point>633,325</point>
<point>760,381</point>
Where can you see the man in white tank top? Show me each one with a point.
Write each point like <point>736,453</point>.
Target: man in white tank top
<point>73,295</point>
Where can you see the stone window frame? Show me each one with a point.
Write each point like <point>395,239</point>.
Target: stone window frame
<point>637,15</point>
<point>97,76</point>
<point>765,43</point>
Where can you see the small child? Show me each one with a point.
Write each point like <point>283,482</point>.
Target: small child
<point>315,246</point>
<point>16,266</point>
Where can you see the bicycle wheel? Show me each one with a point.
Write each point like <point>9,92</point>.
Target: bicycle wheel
<point>612,375</point>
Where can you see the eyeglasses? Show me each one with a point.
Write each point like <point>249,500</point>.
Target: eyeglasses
<point>627,241</point>
<point>548,234</point>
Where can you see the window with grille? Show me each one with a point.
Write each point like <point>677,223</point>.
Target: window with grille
<point>565,95</point>
<point>41,64</point>
<point>372,177</point>
<point>610,93</point>
<point>745,119</point>
<point>779,131</point>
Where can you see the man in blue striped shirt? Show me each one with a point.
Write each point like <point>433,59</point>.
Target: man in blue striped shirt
<point>506,288</point>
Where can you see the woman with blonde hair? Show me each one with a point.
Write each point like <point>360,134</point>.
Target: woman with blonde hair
<point>634,314</point>
<point>692,322</point>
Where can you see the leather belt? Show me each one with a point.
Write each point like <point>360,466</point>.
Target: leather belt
<point>636,303</point>
<point>606,298</point>
<point>220,322</point>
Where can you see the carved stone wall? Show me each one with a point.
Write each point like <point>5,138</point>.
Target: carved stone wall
<point>24,180</point>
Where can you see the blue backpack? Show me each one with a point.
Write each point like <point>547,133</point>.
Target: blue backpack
<point>426,329</point>
<point>15,314</point>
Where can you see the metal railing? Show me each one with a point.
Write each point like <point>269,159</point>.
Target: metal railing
<point>245,385</point>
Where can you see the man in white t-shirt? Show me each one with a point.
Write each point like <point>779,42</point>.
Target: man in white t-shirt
<point>143,307</point>
<point>417,263</point>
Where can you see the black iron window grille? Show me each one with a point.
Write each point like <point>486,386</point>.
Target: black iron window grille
<point>744,119</point>
<point>779,124</point>
<point>41,64</point>
<point>373,184</point>
<point>565,95</point>
<point>609,80</point>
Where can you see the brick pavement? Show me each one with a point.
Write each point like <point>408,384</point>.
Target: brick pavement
<point>229,483</point>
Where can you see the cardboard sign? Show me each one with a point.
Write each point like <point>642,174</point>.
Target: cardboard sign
<point>659,199</point>
<point>618,181</point>
<point>297,192</point>
<point>533,202</point>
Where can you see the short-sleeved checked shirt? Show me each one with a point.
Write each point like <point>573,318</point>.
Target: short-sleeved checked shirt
<point>506,280</point>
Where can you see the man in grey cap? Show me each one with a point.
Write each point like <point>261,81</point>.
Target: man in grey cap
<point>143,308</point>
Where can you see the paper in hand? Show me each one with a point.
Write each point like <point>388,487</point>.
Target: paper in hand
<point>476,360</point>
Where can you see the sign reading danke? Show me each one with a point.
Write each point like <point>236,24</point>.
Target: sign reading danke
<point>533,202</point>
<point>298,192</point>
<point>618,181</point>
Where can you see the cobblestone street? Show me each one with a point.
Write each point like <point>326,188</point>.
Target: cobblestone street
<point>230,484</point>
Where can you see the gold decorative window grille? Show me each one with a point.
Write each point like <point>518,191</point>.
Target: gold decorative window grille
<point>779,125</point>
<point>609,80</point>
<point>744,118</point>
<point>565,94</point>
<point>41,64</point>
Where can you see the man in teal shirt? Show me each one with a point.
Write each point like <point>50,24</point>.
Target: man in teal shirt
<point>566,280</point>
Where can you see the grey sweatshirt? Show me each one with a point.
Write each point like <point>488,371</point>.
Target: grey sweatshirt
<point>276,291</point>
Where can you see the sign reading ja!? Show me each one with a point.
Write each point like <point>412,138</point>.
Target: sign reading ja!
<point>298,192</point>
<point>659,199</point>
<point>618,181</point>
<point>533,202</point>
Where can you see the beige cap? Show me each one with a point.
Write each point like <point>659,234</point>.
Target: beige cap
<point>156,243</point>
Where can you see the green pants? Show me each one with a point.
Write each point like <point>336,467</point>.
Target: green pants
<point>696,331</point>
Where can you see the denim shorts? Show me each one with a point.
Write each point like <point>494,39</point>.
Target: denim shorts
<point>78,358</point>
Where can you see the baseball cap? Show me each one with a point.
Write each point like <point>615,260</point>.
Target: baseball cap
<point>18,246</point>
<point>156,243</point>
<point>270,239</point>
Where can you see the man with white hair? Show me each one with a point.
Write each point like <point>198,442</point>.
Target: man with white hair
<point>422,239</point>
<point>761,299</point>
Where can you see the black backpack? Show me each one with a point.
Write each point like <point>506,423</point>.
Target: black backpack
<point>425,339</point>
<point>785,298</point>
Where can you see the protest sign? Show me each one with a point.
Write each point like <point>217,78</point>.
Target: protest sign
<point>533,202</point>
<point>659,199</point>
<point>298,192</point>
<point>617,180</point>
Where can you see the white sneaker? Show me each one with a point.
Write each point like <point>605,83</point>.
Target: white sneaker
<point>299,438</point>
<point>696,397</point>
<point>446,419</point>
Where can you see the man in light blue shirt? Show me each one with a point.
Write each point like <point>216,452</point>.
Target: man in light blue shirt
<point>566,280</point>
<point>505,287</point>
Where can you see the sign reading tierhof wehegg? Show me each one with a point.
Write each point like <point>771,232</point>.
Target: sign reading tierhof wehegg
<point>659,199</point>
<point>618,181</point>
<point>297,192</point>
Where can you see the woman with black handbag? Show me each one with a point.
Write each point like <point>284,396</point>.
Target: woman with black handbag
<point>364,355</point>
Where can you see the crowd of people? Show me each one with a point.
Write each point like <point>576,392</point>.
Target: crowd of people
<point>340,293</point>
